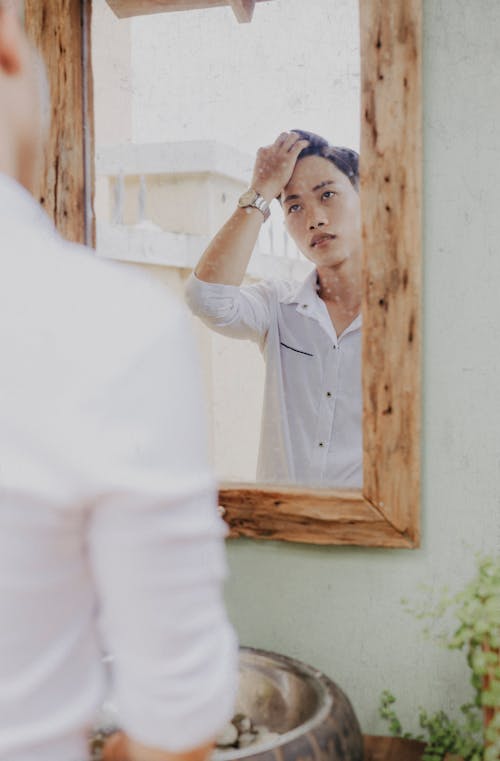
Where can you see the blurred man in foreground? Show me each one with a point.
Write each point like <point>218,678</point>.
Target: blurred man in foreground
<point>109,535</point>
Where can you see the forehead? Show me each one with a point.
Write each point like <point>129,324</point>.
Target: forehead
<point>311,171</point>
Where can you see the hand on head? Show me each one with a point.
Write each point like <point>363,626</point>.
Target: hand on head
<point>275,163</point>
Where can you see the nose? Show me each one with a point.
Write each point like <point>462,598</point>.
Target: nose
<point>316,218</point>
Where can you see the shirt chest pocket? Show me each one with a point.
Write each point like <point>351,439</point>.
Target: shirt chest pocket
<point>300,370</point>
<point>303,349</point>
<point>288,347</point>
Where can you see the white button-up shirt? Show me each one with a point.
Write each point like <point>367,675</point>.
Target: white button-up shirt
<point>312,414</point>
<point>109,534</point>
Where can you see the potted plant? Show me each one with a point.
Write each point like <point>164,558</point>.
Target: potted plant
<point>477,736</point>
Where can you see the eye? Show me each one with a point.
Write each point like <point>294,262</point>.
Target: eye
<point>293,208</point>
<point>328,194</point>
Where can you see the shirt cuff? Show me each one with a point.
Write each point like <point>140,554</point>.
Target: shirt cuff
<point>199,293</point>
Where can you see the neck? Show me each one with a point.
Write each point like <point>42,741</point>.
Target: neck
<point>341,284</point>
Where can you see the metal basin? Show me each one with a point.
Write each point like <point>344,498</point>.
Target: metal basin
<point>313,716</point>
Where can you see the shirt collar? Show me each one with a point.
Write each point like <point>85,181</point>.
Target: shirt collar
<point>355,325</point>
<point>18,205</point>
<point>305,295</point>
<point>304,292</point>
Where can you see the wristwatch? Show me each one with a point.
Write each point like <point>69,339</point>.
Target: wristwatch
<point>252,198</point>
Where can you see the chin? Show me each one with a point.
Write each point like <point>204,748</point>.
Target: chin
<point>326,258</point>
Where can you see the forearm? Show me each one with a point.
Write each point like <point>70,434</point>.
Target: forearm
<point>225,261</point>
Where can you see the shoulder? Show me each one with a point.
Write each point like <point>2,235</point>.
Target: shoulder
<point>283,290</point>
<point>122,296</point>
<point>96,307</point>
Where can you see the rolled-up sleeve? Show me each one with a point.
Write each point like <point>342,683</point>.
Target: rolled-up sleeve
<point>157,553</point>
<point>235,311</point>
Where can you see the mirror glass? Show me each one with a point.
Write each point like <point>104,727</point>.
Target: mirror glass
<point>183,101</point>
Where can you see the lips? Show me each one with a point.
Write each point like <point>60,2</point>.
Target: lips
<point>317,239</point>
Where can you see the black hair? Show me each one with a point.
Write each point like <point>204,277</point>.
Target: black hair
<point>345,159</point>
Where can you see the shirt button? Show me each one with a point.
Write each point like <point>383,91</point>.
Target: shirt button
<point>304,306</point>
<point>328,393</point>
<point>322,443</point>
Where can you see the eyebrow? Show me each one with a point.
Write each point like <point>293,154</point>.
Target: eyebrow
<point>316,187</point>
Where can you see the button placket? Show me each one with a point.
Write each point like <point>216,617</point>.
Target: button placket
<point>326,412</point>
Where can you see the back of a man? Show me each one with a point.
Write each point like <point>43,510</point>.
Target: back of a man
<point>109,535</point>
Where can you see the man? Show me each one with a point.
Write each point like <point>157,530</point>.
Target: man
<point>309,333</point>
<point>109,534</point>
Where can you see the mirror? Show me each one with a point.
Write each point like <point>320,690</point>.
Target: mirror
<point>285,402</point>
<point>386,512</point>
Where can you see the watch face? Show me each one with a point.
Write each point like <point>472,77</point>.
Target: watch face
<point>248,198</point>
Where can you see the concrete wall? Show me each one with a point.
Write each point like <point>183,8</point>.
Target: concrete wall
<point>197,204</point>
<point>111,42</point>
<point>248,82</point>
<point>339,609</point>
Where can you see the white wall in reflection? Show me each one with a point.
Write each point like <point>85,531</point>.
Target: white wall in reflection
<point>200,74</point>
<point>163,81</point>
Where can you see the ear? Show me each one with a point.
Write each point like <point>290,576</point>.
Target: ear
<point>10,42</point>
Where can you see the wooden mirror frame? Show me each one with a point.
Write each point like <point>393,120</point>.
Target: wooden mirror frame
<point>385,513</point>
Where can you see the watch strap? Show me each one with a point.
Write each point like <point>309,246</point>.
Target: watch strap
<point>262,205</point>
<point>253,198</point>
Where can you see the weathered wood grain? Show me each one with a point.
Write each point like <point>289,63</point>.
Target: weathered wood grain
<point>311,516</point>
<point>391,192</point>
<point>387,513</point>
<point>56,28</point>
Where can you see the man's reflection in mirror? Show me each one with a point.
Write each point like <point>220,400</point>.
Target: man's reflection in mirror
<point>309,332</point>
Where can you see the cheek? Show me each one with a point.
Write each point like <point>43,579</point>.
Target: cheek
<point>300,237</point>
<point>351,217</point>
<point>292,226</point>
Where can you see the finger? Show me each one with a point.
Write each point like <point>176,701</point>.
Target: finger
<point>298,146</point>
<point>290,139</point>
<point>282,138</point>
